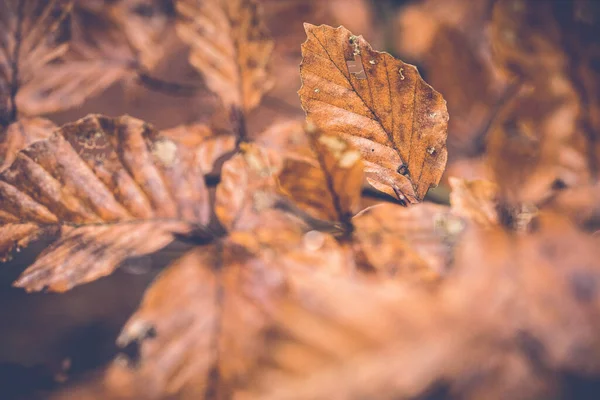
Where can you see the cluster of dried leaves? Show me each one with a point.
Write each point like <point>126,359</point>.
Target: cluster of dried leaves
<point>292,287</point>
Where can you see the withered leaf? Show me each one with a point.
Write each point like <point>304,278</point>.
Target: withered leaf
<point>190,320</point>
<point>189,324</point>
<point>230,46</point>
<point>248,187</point>
<point>417,242</point>
<point>209,146</point>
<point>475,200</point>
<point>486,320</point>
<point>33,33</point>
<point>329,186</point>
<point>380,105</point>
<point>110,188</point>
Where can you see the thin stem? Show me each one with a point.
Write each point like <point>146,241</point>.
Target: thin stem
<point>171,88</point>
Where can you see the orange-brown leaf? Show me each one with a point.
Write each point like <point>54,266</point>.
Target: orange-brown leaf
<point>248,187</point>
<point>380,105</point>
<point>33,33</point>
<point>475,200</point>
<point>328,187</point>
<point>408,243</point>
<point>230,46</point>
<point>112,189</point>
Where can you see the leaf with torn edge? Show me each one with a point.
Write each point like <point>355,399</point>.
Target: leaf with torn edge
<point>380,105</point>
<point>33,33</point>
<point>110,188</point>
<point>230,46</point>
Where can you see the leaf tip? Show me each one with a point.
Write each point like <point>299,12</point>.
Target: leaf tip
<point>308,27</point>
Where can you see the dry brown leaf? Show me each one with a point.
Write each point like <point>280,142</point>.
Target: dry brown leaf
<point>328,187</point>
<point>448,39</point>
<point>551,48</point>
<point>33,33</point>
<point>111,41</point>
<point>475,200</point>
<point>407,243</point>
<point>20,135</point>
<point>110,188</point>
<point>248,187</point>
<point>210,147</point>
<point>535,145</point>
<point>380,105</point>
<point>488,332</point>
<point>189,323</point>
<point>230,46</point>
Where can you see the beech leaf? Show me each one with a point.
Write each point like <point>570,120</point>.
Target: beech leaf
<point>329,186</point>
<point>248,187</point>
<point>230,46</point>
<point>109,188</point>
<point>33,33</point>
<point>380,105</point>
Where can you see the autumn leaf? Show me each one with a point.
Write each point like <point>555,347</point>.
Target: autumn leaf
<point>386,239</point>
<point>201,320</point>
<point>248,187</point>
<point>228,286</point>
<point>210,146</point>
<point>109,189</point>
<point>475,200</point>
<point>34,33</point>
<point>230,46</point>
<point>417,242</point>
<point>108,44</point>
<point>329,186</point>
<point>380,105</point>
<point>392,341</point>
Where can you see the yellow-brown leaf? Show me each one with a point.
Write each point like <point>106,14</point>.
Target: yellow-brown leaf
<point>380,105</point>
<point>230,46</point>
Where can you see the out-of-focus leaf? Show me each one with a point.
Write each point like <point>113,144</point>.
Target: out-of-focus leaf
<point>209,146</point>
<point>248,186</point>
<point>230,46</point>
<point>475,200</point>
<point>408,243</point>
<point>33,33</point>
<point>329,186</point>
<point>380,105</point>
